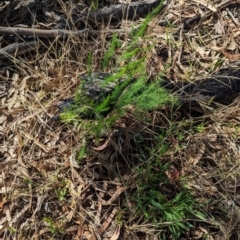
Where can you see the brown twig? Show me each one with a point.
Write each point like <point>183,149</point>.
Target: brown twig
<point>53,33</point>
<point>219,6</point>
<point>16,49</point>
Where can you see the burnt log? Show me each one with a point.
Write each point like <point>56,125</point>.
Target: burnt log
<point>113,13</point>
<point>220,87</point>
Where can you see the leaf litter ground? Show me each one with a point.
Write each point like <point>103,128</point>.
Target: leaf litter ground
<point>47,194</point>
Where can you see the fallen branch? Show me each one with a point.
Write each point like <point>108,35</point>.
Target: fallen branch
<point>114,13</point>
<point>198,18</point>
<point>15,49</point>
<point>56,33</point>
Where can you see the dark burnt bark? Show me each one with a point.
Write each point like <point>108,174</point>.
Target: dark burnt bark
<point>219,86</point>
<point>111,14</point>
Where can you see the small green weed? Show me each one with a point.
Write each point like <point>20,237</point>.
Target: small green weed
<point>28,181</point>
<point>82,151</point>
<point>94,5</point>
<point>115,43</point>
<point>12,230</point>
<point>53,226</point>
<point>165,203</point>
<point>59,186</point>
<point>61,194</point>
<point>200,128</point>
<point>89,62</point>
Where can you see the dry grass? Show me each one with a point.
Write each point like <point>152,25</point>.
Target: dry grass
<point>45,193</point>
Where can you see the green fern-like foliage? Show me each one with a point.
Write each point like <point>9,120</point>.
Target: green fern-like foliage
<point>135,91</point>
<point>110,52</point>
<point>144,96</point>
